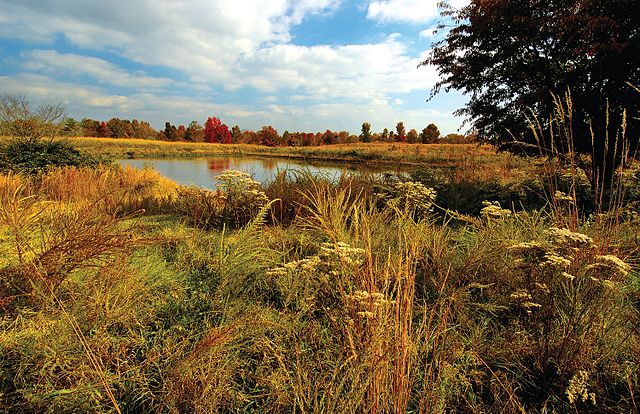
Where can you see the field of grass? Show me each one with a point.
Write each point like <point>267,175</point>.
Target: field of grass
<point>121,291</point>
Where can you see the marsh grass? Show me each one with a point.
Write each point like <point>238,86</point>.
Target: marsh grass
<point>323,298</point>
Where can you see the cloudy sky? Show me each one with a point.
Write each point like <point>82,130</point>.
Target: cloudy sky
<point>299,65</point>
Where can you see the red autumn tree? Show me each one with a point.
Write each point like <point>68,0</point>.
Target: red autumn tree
<point>268,136</point>
<point>103,130</point>
<point>216,131</point>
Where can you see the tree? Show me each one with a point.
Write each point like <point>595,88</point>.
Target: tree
<point>329,137</point>
<point>365,136</point>
<point>412,136</point>
<point>18,120</point>
<point>510,56</point>
<point>27,151</point>
<point>103,130</point>
<point>400,132</point>
<point>236,133</point>
<point>268,136</point>
<point>430,134</point>
<point>181,133</point>
<point>194,132</point>
<point>385,135</point>
<point>89,127</point>
<point>120,128</point>
<point>142,130</point>
<point>70,127</point>
<point>216,131</point>
<point>170,132</point>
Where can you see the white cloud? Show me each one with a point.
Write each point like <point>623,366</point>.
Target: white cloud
<point>203,38</point>
<point>416,11</point>
<point>428,33</point>
<point>50,61</point>
<point>412,11</point>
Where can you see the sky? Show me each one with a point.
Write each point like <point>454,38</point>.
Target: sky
<point>298,65</point>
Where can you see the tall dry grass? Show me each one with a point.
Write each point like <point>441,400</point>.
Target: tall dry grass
<point>350,296</point>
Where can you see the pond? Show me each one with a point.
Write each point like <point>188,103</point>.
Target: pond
<point>202,171</point>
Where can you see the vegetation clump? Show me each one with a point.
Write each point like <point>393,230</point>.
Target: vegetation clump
<point>32,146</point>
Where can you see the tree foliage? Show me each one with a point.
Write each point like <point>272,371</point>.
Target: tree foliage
<point>430,134</point>
<point>365,136</point>
<point>412,136</point>
<point>268,136</point>
<point>194,132</point>
<point>20,121</point>
<point>510,56</point>
<point>216,131</point>
<point>401,135</point>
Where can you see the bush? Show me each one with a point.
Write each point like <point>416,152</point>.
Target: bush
<point>37,156</point>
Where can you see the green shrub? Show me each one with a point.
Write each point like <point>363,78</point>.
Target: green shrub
<point>36,156</point>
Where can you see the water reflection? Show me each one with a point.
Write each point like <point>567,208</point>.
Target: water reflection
<point>218,164</point>
<point>202,171</point>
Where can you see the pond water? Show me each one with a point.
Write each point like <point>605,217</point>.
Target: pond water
<point>202,171</point>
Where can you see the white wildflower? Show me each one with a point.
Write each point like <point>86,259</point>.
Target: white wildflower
<point>568,238</point>
<point>578,390</point>
<point>521,295</point>
<point>493,210</point>
<point>561,196</point>
<point>553,261</point>
<point>610,264</point>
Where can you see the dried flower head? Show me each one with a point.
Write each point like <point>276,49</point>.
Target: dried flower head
<point>578,390</point>
<point>493,210</point>
<point>568,238</point>
<point>610,265</point>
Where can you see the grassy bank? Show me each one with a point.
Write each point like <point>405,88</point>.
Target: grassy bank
<point>123,292</point>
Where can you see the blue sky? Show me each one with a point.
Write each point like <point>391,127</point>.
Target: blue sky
<point>305,65</point>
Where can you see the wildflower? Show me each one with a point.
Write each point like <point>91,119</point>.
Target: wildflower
<point>566,237</point>
<point>568,275</point>
<point>343,252</point>
<point>577,389</point>
<point>555,262</point>
<point>520,295</point>
<point>365,314</point>
<point>560,196</point>
<point>610,264</point>
<point>493,210</point>
<point>528,247</point>
<point>277,271</point>
<point>411,196</point>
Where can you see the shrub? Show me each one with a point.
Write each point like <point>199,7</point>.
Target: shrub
<point>37,156</point>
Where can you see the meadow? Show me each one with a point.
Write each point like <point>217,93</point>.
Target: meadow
<point>121,291</point>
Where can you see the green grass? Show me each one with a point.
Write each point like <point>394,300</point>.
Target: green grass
<point>334,297</point>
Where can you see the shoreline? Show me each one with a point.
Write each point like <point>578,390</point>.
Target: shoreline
<point>376,153</point>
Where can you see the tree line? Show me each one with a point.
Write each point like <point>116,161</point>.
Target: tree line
<point>214,131</point>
